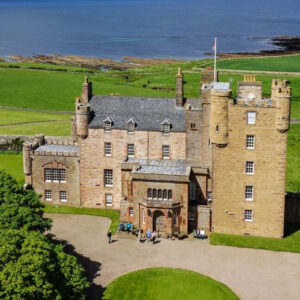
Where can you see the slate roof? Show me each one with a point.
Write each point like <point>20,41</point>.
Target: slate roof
<point>149,113</point>
<point>58,148</point>
<point>160,166</point>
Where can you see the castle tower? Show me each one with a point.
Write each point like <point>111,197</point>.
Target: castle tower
<point>249,89</point>
<point>179,89</point>
<point>86,90</point>
<point>220,97</point>
<point>82,118</point>
<point>27,162</point>
<point>281,94</point>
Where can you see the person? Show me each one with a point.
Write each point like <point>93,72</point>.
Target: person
<point>202,234</point>
<point>153,237</point>
<point>128,227</point>
<point>148,234</point>
<point>198,233</point>
<point>109,236</point>
<point>140,236</point>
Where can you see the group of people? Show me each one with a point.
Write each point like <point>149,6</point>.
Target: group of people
<point>200,234</point>
<point>151,237</point>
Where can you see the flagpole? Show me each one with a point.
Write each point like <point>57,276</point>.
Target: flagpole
<point>215,62</point>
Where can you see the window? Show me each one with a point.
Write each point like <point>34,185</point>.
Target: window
<point>55,175</point>
<point>166,129</point>
<point>48,175</point>
<point>131,127</point>
<point>250,142</point>
<point>130,212</point>
<point>130,150</point>
<point>175,218</point>
<point>248,215</point>
<point>62,175</point>
<point>166,151</point>
<point>159,193</point>
<point>108,177</point>
<point>107,126</point>
<point>248,192</point>
<point>108,199</point>
<point>209,197</point>
<point>107,149</point>
<point>249,167</point>
<point>169,194</point>
<point>149,194</point>
<point>48,195</point>
<point>251,117</point>
<point>217,129</point>
<point>165,194</point>
<point>192,216</point>
<point>63,196</point>
<point>192,188</point>
<point>143,216</point>
<point>193,126</point>
<point>154,193</point>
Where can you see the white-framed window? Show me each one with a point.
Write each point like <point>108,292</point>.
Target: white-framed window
<point>63,196</point>
<point>143,216</point>
<point>249,192</point>
<point>149,194</point>
<point>48,175</point>
<point>55,175</point>
<point>130,150</point>
<point>166,129</point>
<point>192,188</point>
<point>170,195</point>
<point>107,149</point>
<point>107,126</point>
<point>192,216</point>
<point>48,195</point>
<point>175,218</point>
<point>251,117</point>
<point>159,194</point>
<point>249,167</point>
<point>209,197</point>
<point>131,127</point>
<point>154,194</point>
<point>108,177</point>
<point>250,142</point>
<point>248,215</point>
<point>108,199</point>
<point>166,152</point>
<point>130,211</point>
<point>62,175</point>
<point>165,195</point>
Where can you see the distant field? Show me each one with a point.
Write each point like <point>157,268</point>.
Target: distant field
<point>278,64</point>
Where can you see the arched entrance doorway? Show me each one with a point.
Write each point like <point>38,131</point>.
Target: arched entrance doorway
<point>158,222</point>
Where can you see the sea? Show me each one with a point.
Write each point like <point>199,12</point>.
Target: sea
<point>114,29</point>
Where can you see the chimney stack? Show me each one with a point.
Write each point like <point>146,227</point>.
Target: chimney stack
<point>179,89</point>
<point>86,90</point>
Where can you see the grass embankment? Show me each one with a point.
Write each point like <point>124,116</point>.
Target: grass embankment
<point>288,244</point>
<point>165,283</point>
<point>108,213</point>
<point>276,64</point>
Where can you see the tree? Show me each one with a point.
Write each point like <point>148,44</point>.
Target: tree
<point>33,266</point>
<point>20,208</point>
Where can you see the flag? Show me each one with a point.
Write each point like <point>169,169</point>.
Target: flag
<point>214,46</point>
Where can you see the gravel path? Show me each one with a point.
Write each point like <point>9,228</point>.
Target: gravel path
<point>251,274</point>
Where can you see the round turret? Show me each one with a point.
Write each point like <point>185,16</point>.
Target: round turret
<point>26,158</point>
<point>82,120</point>
<point>219,116</point>
<point>281,94</point>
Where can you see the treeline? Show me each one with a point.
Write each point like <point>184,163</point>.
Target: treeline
<point>32,264</point>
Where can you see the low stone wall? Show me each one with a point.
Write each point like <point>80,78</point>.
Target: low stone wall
<point>292,208</point>
<point>7,139</point>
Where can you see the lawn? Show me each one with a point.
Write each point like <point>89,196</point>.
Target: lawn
<point>289,244</point>
<point>166,283</point>
<point>19,117</point>
<point>278,64</point>
<point>13,165</point>
<point>62,128</point>
<point>108,213</point>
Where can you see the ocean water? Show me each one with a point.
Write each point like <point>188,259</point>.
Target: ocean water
<point>142,28</point>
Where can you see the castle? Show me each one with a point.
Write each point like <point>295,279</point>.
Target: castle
<point>173,165</point>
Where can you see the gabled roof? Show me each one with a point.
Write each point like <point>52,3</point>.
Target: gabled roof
<point>132,120</point>
<point>108,120</point>
<point>148,113</point>
<point>166,122</point>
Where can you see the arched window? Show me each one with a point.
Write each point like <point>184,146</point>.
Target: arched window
<point>159,194</point>
<point>165,194</point>
<point>169,194</point>
<point>149,194</point>
<point>154,194</point>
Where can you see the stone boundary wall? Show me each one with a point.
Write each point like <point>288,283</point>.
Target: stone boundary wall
<point>4,139</point>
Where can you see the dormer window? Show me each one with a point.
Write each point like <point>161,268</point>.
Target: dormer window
<point>108,124</point>
<point>166,127</point>
<point>131,124</point>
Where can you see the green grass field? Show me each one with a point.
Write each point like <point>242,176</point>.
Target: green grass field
<point>113,215</point>
<point>277,64</point>
<point>165,283</point>
<point>13,165</point>
<point>289,244</point>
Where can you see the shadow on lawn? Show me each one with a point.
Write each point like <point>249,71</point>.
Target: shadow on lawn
<point>92,269</point>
